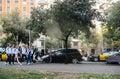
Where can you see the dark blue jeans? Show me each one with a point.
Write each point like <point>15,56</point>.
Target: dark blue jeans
<point>29,58</point>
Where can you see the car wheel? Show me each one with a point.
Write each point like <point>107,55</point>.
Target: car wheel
<point>47,60</point>
<point>108,62</point>
<point>74,61</point>
<point>95,59</point>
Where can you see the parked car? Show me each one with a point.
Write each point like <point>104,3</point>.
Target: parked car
<point>93,57</point>
<point>115,58</point>
<point>105,54</point>
<point>59,56</point>
<point>3,55</point>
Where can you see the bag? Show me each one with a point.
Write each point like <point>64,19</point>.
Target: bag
<point>4,57</point>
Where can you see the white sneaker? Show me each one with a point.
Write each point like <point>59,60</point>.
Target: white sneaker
<point>20,64</point>
<point>6,63</point>
<point>28,63</point>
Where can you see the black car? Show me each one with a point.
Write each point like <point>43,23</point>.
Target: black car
<point>59,56</point>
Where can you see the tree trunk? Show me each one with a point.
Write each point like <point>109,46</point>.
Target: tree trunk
<point>66,51</point>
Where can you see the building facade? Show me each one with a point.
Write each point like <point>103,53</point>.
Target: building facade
<point>23,6</point>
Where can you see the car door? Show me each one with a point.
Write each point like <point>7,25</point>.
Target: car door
<point>117,57</point>
<point>58,56</point>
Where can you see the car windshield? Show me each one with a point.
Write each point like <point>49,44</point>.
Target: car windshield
<point>110,52</point>
<point>106,52</point>
<point>113,52</point>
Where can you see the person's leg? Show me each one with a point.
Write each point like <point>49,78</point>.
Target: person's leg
<point>27,59</point>
<point>20,57</point>
<point>17,59</point>
<point>31,58</point>
<point>9,59</point>
<point>23,57</point>
<point>13,58</point>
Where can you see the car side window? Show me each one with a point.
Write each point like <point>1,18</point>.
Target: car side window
<point>58,53</point>
<point>74,51</point>
<point>118,54</point>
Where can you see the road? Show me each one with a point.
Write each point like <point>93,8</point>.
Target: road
<point>83,67</point>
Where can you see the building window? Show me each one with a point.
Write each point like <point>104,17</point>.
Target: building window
<point>16,8</point>
<point>24,15</point>
<point>24,0</point>
<point>0,1</point>
<point>8,1</point>
<point>43,0</point>
<point>24,9</point>
<point>31,2</point>
<point>0,8</point>
<point>31,9</point>
<point>16,1</point>
<point>8,8</point>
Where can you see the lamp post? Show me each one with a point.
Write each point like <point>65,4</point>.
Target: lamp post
<point>102,40</point>
<point>42,38</point>
<point>29,34</point>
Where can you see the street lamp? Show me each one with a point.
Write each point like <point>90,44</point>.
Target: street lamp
<point>42,38</point>
<point>29,35</point>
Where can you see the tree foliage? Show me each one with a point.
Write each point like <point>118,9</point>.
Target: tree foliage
<point>113,25</point>
<point>14,26</point>
<point>37,22</point>
<point>72,16</point>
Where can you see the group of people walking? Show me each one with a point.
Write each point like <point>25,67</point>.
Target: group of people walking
<point>19,54</point>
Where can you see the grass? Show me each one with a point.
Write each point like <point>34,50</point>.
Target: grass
<point>32,74</point>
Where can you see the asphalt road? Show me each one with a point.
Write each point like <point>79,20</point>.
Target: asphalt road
<point>83,67</point>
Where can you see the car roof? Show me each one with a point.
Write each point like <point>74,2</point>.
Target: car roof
<point>65,48</point>
<point>110,52</point>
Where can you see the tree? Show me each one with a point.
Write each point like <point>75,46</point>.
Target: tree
<point>37,22</point>
<point>113,25</point>
<point>14,26</point>
<point>72,16</point>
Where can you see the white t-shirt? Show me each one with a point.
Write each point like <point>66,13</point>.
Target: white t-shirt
<point>16,51</point>
<point>13,50</point>
<point>9,50</point>
<point>24,50</point>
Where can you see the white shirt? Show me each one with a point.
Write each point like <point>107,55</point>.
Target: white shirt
<point>13,50</point>
<point>31,50</point>
<point>24,50</point>
<point>27,52</point>
<point>16,51</point>
<point>9,50</point>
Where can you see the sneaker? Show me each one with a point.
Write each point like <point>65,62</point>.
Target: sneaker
<point>6,63</point>
<point>20,64</point>
<point>28,64</point>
